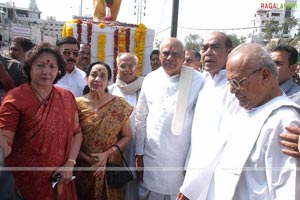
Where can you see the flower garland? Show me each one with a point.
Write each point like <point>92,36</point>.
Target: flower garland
<point>79,30</point>
<point>139,46</point>
<point>127,39</point>
<point>101,47</point>
<point>89,30</point>
<point>69,31</point>
<point>122,41</point>
<point>116,33</point>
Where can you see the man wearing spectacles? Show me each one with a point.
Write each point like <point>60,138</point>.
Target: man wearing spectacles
<point>214,101</point>
<point>75,79</point>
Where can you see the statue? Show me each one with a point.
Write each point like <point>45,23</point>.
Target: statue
<point>106,9</point>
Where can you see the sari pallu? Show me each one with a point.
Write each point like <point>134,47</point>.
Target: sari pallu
<point>43,138</point>
<point>101,129</point>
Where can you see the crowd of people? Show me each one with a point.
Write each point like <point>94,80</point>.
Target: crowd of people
<point>222,123</point>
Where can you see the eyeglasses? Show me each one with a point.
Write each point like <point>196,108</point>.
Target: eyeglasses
<point>237,84</point>
<point>68,52</point>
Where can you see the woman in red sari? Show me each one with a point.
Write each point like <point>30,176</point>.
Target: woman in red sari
<point>39,128</point>
<point>104,120</point>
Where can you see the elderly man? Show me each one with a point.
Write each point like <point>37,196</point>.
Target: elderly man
<point>84,58</point>
<point>128,85</point>
<point>164,115</point>
<point>285,57</point>
<point>245,165</point>
<point>75,79</point>
<point>193,59</point>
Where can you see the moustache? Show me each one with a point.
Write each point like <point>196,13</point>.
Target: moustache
<point>71,60</point>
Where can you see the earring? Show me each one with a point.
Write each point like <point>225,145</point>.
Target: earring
<point>59,72</point>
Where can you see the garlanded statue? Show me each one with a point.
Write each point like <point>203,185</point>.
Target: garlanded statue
<point>106,9</point>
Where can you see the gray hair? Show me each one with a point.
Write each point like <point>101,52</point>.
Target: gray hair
<point>257,56</point>
<point>127,54</point>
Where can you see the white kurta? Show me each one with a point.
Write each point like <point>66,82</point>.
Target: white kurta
<point>129,151</point>
<point>211,106</point>
<point>251,164</point>
<point>163,152</point>
<point>74,82</point>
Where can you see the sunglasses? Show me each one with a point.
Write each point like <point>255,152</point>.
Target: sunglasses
<point>68,53</point>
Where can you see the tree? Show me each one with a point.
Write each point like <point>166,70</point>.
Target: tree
<point>234,39</point>
<point>271,27</point>
<point>193,41</point>
<point>288,24</point>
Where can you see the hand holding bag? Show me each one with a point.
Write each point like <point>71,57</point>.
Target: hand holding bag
<point>117,175</point>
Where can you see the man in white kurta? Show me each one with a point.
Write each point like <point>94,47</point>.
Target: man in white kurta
<point>128,85</point>
<point>249,164</point>
<point>210,107</point>
<point>162,151</point>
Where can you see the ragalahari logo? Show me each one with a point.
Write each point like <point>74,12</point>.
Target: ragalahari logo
<point>270,5</point>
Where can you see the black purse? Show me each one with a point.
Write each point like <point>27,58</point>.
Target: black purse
<point>117,175</point>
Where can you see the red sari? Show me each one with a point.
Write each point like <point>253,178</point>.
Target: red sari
<point>43,138</point>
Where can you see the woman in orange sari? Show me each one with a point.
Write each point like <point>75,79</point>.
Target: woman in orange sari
<point>39,128</point>
<point>104,120</point>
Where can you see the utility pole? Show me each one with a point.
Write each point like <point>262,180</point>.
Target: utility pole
<point>174,18</point>
<point>80,7</point>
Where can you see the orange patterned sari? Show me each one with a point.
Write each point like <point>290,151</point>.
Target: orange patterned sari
<point>43,138</point>
<point>100,131</point>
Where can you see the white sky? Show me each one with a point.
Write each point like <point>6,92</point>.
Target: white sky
<point>196,14</point>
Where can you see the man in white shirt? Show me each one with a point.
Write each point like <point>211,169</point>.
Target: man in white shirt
<point>75,79</point>
<point>249,164</point>
<point>164,115</point>
<point>128,85</point>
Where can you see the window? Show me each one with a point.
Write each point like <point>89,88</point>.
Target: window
<point>275,14</point>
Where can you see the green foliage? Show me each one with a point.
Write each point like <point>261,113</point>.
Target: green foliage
<point>271,27</point>
<point>235,40</point>
<point>193,41</point>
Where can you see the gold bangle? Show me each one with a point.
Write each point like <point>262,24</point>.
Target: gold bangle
<point>72,160</point>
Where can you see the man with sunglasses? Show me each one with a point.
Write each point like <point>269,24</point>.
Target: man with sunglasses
<point>75,79</point>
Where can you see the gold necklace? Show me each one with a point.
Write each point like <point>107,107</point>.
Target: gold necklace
<point>43,101</point>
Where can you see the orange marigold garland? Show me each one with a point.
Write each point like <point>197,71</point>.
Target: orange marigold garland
<point>69,31</point>
<point>139,45</point>
<point>79,30</point>
<point>116,38</point>
<point>89,30</point>
<point>122,40</point>
<point>101,46</point>
<point>127,39</point>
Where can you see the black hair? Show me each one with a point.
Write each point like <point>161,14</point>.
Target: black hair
<point>68,40</point>
<point>291,50</point>
<point>89,69</point>
<point>25,43</point>
<point>155,51</point>
<point>36,51</point>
